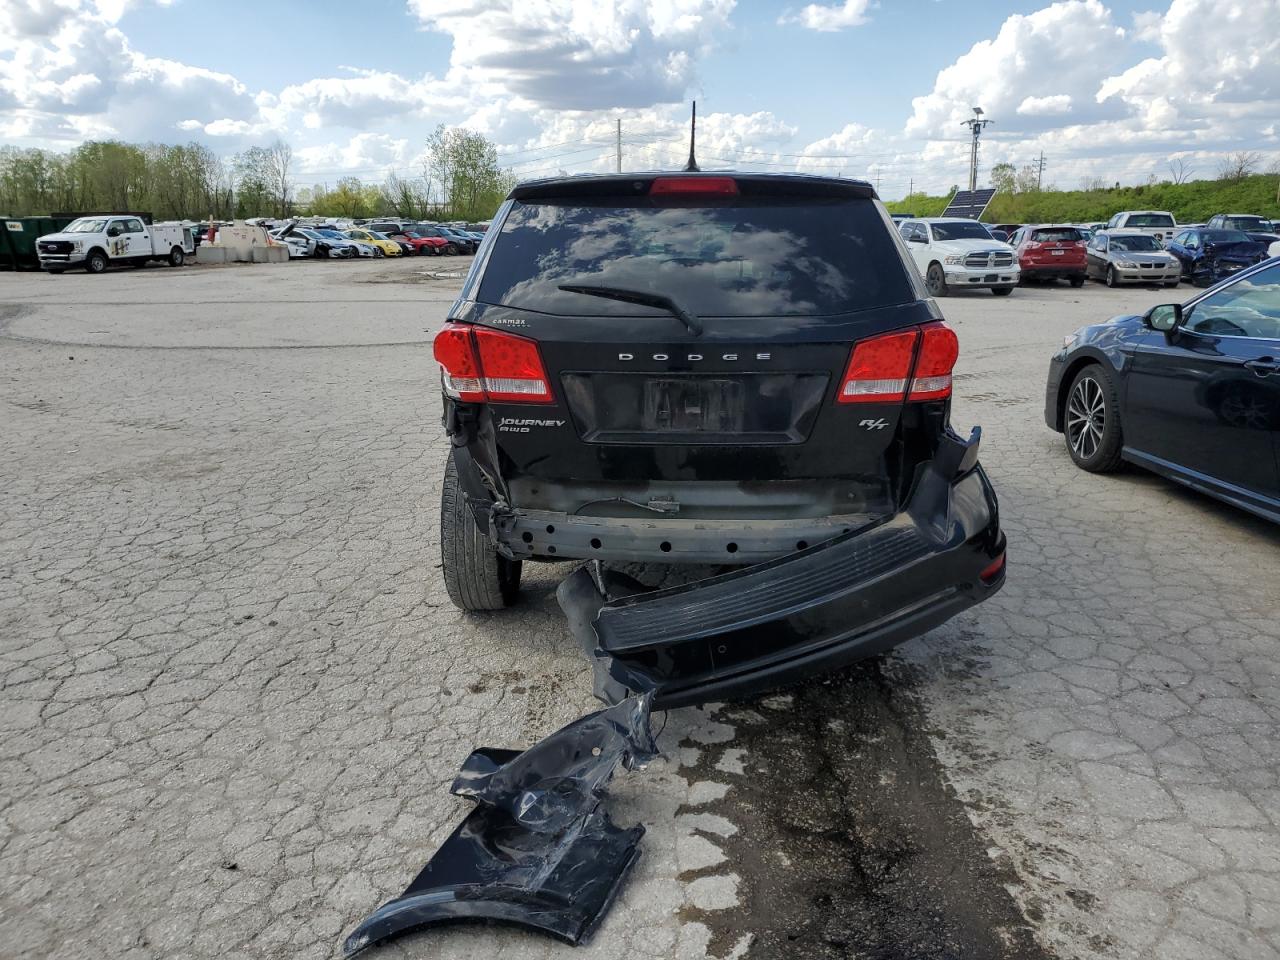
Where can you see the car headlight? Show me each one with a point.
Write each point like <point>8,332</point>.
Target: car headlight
<point>77,246</point>
<point>954,260</point>
<point>1069,339</point>
<point>1127,264</point>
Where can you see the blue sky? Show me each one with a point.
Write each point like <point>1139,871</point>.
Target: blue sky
<point>1110,90</point>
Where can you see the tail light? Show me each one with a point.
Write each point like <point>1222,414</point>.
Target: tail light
<point>512,368</point>
<point>479,364</point>
<point>880,367</point>
<point>993,570</point>
<point>939,350</point>
<point>456,355</point>
<point>1033,244</point>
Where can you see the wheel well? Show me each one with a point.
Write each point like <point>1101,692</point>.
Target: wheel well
<point>93,250</point>
<point>1064,385</point>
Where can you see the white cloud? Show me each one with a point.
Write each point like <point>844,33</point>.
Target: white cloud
<point>827,18</point>
<point>67,73</point>
<point>1055,105</point>
<point>578,55</point>
<point>1051,53</point>
<point>365,155</point>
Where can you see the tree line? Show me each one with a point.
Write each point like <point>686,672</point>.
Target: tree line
<point>460,180</point>
<point>1190,201</point>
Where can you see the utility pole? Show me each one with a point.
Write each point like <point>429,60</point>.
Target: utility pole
<point>1040,170</point>
<point>975,125</point>
<point>911,186</point>
<point>619,144</point>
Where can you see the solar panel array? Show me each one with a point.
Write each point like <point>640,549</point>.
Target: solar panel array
<point>969,204</point>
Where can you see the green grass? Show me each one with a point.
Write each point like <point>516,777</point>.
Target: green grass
<point>1192,202</point>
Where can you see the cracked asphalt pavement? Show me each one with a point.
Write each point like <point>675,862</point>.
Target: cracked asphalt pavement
<point>235,693</point>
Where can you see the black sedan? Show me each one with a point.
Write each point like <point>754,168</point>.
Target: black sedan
<point>1190,391</point>
<point>1208,256</point>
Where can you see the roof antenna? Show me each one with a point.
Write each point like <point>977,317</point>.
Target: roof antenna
<point>692,166</point>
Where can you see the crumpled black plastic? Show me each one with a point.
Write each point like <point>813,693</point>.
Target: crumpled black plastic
<point>538,850</point>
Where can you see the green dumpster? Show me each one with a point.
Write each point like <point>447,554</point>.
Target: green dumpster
<point>18,239</point>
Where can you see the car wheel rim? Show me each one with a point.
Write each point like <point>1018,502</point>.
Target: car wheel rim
<point>1086,418</point>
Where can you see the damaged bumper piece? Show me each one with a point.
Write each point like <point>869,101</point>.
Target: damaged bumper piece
<point>810,612</point>
<point>538,850</point>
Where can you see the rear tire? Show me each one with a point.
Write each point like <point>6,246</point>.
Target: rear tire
<point>176,257</point>
<point>1077,282</point>
<point>476,576</point>
<point>1001,291</point>
<point>1091,421</point>
<point>936,281</point>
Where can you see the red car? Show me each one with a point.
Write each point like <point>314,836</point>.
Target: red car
<point>421,245</point>
<point>1050,251</point>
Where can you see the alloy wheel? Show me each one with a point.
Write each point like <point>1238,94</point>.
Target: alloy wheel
<point>1086,418</point>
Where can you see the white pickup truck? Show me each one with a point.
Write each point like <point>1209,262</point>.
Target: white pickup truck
<point>1154,223</point>
<point>100,241</point>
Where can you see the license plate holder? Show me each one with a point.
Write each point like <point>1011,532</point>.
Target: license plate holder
<point>1058,253</point>
<point>694,405</point>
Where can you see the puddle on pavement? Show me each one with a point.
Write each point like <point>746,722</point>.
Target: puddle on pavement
<point>850,844</point>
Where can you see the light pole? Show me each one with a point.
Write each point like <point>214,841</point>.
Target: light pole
<point>975,125</point>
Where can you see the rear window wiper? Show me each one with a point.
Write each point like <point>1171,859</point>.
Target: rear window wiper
<point>642,297</point>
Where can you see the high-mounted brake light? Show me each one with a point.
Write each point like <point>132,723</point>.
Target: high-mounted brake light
<point>481,364</point>
<point>878,369</point>
<point>939,350</point>
<point>456,355</point>
<point>512,368</point>
<point>692,186</point>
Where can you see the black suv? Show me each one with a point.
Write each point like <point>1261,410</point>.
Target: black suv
<point>715,369</point>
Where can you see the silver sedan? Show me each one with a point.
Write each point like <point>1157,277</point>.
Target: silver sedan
<point>1127,256</point>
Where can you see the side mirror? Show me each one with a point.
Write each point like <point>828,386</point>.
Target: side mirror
<point>1165,317</point>
<point>114,230</point>
<point>914,238</point>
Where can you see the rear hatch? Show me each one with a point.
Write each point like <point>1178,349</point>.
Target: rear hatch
<point>1054,247</point>
<point>784,355</point>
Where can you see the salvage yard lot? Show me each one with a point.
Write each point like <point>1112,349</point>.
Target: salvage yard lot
<point>235,693</point>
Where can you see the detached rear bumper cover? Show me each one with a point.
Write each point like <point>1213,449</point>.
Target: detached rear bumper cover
<point>539,850</point>
<point>810,612</point>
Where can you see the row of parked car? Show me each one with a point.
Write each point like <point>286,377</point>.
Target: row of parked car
<point>1133,247</point>
<point>375,239</point>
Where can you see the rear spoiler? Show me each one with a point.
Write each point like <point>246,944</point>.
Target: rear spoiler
<point>750,185</point>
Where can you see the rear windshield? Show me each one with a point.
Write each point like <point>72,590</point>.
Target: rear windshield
<point>1135,244</point>
<point>1056,235</point>
<point>960,231</point>
<point>757,258</point>
<point>1245,223</point>
<point>1149,220</point>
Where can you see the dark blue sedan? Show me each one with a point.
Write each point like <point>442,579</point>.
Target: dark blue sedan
<point>1209,255</point>
<point>1190,391</point>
